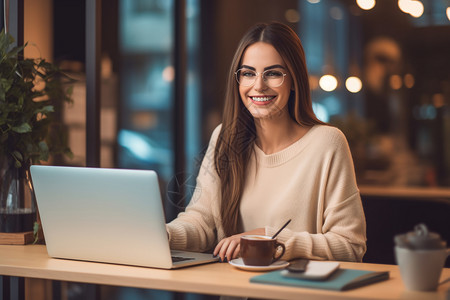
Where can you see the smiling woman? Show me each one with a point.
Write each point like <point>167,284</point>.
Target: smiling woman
<point>253,176</point>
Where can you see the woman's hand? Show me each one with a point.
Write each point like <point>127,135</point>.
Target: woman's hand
<point>228,248</point>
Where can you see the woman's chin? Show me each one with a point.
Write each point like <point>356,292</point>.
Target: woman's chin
<point>263,115</point>
<point>266,113</point>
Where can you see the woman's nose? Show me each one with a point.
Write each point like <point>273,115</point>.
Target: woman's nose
<point>260,84</point>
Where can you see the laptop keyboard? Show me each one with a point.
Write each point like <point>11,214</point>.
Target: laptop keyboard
<point>179,258</point>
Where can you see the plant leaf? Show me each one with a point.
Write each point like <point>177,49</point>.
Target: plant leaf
<point>23,128</point>
<point>45,110</point>
<point>17,164</point>
<point>5,84</point>
<point>18,155</point>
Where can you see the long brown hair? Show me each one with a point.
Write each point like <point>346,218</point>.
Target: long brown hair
<point>237,135</point>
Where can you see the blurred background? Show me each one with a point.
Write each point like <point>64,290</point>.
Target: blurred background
<point>379,71</point>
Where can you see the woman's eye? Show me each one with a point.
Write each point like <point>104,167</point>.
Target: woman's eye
<point>273,74</point>
<point>247,74</point>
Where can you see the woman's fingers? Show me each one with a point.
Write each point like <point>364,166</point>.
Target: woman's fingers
<point>231,249</point>
<point>227,248</point>
<point>223,249</point>
<point>217,249</point>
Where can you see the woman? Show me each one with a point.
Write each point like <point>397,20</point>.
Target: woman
<point>272,160</point>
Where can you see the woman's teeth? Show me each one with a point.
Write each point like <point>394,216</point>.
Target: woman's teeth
<point>262,99</point>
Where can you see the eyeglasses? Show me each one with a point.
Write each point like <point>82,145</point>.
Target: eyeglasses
<point>247,77</point>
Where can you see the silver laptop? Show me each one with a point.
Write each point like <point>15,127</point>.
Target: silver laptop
<point>106,215</point>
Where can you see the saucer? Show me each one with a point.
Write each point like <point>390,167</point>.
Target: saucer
<point>238,263</point>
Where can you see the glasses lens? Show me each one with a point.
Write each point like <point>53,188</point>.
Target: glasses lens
<point>246,77</point>
<point>273,78</point>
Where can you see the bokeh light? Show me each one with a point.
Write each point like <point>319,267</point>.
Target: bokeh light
<point>366,4</point>
<point>328,83</point>
<point>353,84</point>
<point>292,15</point>
<point>413,7</point>
<point>395,81</point>
<point>409,80</point>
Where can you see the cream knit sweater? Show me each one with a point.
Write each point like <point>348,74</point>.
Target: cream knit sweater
<point>311,182</point>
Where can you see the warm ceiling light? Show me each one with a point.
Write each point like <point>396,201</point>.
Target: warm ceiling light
<point>353,84</point>
<point>416,9</point>
<point>438,100</point>
<point>405,5</point>
<point>448,13</point>
<point>366,4</point>
<point>292,15</point>
<point>395,82</point>
<point>412,7</point>
<point>409,81</point>
<point>328,83</point>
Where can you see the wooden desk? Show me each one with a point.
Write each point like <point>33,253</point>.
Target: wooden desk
<point>220,279</point>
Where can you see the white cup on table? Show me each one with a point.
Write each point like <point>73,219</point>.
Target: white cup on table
<point>421,269</point>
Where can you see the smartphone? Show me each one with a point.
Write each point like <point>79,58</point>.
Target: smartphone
<point>298,265</point>
<point>315,270</point>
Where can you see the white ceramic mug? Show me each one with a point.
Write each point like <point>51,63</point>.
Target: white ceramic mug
<point>421,269</point>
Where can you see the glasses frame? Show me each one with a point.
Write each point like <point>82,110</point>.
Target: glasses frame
<point>258,74</point>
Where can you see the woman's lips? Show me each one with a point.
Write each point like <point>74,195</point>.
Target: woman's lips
<point>262,100</point>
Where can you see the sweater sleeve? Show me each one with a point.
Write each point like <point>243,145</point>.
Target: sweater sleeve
<point>195,229</point>
<point>341,227</point>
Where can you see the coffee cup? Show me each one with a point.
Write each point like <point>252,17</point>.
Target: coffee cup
<point>260,250</point>
<point>421,269</point>
<point>421,256</point>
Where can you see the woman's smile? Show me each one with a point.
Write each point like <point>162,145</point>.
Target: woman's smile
<point>262,99</point>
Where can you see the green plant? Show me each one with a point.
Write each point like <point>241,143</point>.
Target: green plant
<point>30,89</point>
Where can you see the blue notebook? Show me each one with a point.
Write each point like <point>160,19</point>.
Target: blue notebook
<point>340,280</point>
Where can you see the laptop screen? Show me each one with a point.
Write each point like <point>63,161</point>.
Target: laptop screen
<point>105,215</point>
